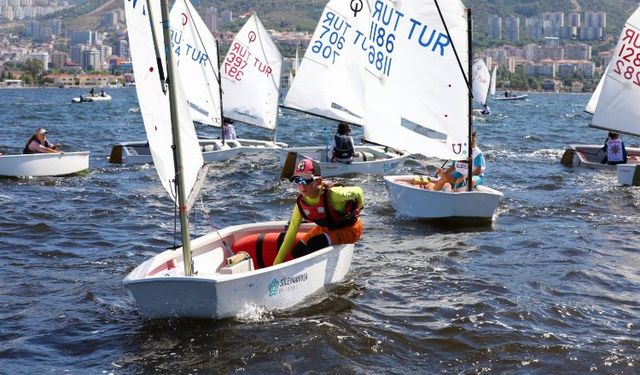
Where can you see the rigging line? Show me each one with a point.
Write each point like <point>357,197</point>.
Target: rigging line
<point>455,51</point>
<point>207,216</point>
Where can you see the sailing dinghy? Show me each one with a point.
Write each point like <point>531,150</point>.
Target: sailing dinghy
<point>437,101</point>
<point>49,164</point>
<point>481,85</point>
<point>198,280</point>
<point>511,96</point>
<point>614,106</point>
<point>249,89</point>
<point>617,107</point>
<point>330,84</point>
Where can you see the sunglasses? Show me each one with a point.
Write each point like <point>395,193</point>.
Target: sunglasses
<point>303,181</point>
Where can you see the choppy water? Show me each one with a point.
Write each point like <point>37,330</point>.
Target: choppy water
<point>552,286</point>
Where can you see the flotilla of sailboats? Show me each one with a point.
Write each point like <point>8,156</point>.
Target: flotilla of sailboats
<point>246,89</point>
<point>381,49</point>
<point>214,276</point>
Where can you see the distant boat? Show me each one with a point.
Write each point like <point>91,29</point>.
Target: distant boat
<point>511,96</point>
<point>91,98</point>
<point>44,164</point>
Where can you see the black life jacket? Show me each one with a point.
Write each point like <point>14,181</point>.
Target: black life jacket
<point>344,147</point>
<point>26,150</point>
<point>323,213</point>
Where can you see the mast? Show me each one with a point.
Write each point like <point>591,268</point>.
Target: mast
<point>220,95</point>
<point>177,148</point>
<point>470,58</point>
<point>156,49</point>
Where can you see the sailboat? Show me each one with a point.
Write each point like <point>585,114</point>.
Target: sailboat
<point>481,84</point>
<point>494,81</point>
<point>440,97</point>
<point>329,84</point>
<point>223,272</point>
<point>612,105</point>
<point>248,91</point>
<point>43,164</point>
<point>617,103</point>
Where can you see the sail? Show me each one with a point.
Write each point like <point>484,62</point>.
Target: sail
<point>481,82</point>
<point>251,76</point>
<point>154,102</point>
<point>593,101</point>
<point>494,81</point>
<point>330,79</point>
<point>617,106</point>
<point>415,88</point>
<point>197,60</point>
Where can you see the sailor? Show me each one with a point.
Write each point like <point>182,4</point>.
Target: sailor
<point>92,92</point>
<point>455,176</point>
<point>39,144</point>
<point>334,209</point>
<point>228,131</point>
<point>342,148</point>
<point>485,110</point>
<point>614,147</point>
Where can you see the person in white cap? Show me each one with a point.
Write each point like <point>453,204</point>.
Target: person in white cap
<point>334,209</point>
<point>38,143</point>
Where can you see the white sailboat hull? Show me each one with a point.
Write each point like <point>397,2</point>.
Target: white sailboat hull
<point>375,160</point>
<point>415,202</point>
<point>591,156</point>
<point>166,293</point>
<point>515,97</point>
<point>48,164</point>
<point>89,99</point>
<point>213,150</point>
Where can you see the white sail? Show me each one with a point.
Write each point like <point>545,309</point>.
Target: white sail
<point>197,60</point>
<point>494,81</point>
<point>154,102</point>
<point>330,78</point>
<point>617,106</point>
<point>593,101</point>
<point>296,62</point>
<point>415,86</point>
<point>251,76</point>
<point>481,82</point>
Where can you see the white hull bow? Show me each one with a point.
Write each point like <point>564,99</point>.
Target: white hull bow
<point>416,202</point>
<point>49,164</point>
<point>213,150</point>
<point>162,291</point>
<point>376,160</point>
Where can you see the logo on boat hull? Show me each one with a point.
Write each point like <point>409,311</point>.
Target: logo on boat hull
<point>285,284</point>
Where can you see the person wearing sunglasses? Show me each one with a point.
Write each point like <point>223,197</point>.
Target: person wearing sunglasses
<point>334,209</point>
<point>38,143</point>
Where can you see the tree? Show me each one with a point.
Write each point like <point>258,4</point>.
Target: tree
<point>33,68</point>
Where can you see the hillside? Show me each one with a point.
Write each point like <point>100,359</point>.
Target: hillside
<point>302,15</point>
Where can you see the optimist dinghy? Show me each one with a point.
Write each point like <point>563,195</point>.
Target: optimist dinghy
<point>219,274</point>
<point>49,164</point>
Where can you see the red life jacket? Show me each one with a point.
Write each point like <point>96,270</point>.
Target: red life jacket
<point>323,213</point>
